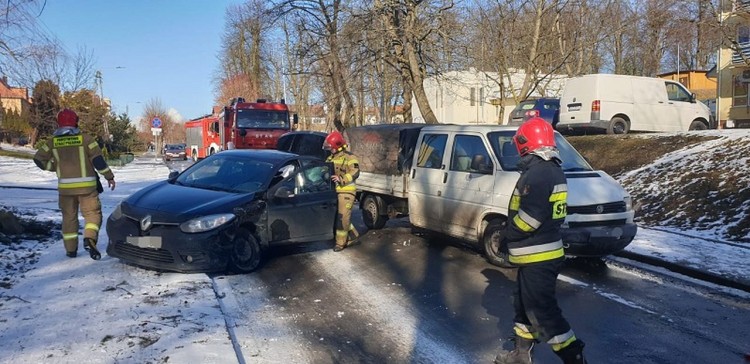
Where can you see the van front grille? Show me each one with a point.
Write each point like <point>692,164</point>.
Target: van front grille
<point>618,222</point>
<point>605,208</point>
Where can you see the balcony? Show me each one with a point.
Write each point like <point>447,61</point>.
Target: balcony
<point>743,49</point>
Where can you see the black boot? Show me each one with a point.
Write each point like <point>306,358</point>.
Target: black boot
<point>573,353</point>
<point>521,354</point>
<point>90,246</point>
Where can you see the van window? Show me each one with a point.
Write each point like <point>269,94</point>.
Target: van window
<point>431,151</point>
<point>506,152</point>
<point>677,93</point>
<point>470,155</point>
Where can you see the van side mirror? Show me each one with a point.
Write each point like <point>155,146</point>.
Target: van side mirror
<point>692,97</point>
<point>295,119</point>
<point>243,132</point>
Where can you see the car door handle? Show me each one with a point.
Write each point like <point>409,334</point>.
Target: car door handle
<point>445,177</point>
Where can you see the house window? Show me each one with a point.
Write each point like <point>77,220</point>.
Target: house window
<point>739,92</point>
<point>481,95</point>
<point>473,97</point>
<point>743,34</point>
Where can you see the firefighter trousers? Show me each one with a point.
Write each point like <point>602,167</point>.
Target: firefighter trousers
<point>344,219</point>
<point>535,302</point>
<point>91,209</point>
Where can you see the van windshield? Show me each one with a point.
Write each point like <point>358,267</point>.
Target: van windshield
<point>506,153</point>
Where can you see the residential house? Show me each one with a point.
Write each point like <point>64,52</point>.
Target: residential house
<point>474,97</point>
<point>733,65</point>
<point>14,98</point>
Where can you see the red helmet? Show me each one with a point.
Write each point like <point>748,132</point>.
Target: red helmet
<point>334,141</point>
<point>534,134</point>
<point>67,117</point>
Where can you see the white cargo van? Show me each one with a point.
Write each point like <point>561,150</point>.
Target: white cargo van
<point>618,104</point>
<point>458,180</point>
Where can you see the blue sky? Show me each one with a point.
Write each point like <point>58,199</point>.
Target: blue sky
<point>146,49</point>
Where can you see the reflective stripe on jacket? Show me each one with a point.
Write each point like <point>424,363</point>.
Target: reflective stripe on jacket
<point>73,157</point>
<point>346,166</point>
<point>537,210</point>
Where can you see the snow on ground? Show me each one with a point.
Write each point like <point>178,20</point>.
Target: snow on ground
<point>57,309</point>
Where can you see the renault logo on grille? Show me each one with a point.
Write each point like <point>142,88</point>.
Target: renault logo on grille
<point>599,209</point>
<point>146,223</point>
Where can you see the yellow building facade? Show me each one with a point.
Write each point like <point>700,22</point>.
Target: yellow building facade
<point>733,65</point>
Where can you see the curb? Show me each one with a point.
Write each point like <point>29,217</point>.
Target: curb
<point>687,271</point>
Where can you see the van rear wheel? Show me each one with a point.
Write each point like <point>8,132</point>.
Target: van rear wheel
<point>618,125</point>
<point>492,238</point>
<point>372,215</point>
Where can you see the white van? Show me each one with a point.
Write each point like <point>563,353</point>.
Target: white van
<point>458,180</point>
<point>618,104</point>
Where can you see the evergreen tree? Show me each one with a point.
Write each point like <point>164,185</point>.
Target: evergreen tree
<point>44,110</point>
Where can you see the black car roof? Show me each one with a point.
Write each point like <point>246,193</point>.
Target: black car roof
<point>271,156</point>
<point>305,132</point>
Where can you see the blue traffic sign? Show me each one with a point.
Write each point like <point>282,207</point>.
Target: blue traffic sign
<point>156,123</point>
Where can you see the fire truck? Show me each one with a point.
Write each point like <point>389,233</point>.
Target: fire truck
<point>240,125</point>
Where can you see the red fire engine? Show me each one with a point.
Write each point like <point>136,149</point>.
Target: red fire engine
<point>240,125</point>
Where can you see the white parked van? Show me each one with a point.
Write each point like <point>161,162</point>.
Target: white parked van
<point>618,104</point>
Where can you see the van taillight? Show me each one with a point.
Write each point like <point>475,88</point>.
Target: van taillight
<point>595,106</point>
<point>532,113</point>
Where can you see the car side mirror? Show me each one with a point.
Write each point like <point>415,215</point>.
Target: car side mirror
<point>283,192</point>
<point>692,97</point>
<point>172,175</point>
<point>295,119</point>
<point>243,132</point>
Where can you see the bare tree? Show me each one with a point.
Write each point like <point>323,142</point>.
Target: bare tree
<point>413,28</point>
<point>325,42</point>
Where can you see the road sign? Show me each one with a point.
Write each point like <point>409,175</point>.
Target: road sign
<point>156,123</point>
<point>156,131</point>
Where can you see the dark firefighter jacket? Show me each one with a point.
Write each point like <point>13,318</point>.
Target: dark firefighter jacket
<point>536,211</point>
<point>74,157</point>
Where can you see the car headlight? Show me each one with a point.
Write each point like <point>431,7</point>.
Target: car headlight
<point>628,203</point>
<point>117,212</point>
<point>205,223</point>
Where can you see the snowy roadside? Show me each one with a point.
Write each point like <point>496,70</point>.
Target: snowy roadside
<point>64,310</point>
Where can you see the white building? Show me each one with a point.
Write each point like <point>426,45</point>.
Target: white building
<point>473,97</point>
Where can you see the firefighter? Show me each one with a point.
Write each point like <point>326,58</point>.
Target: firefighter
<point>75,157</point>
<point>532,237</point>
<point>346,171</point>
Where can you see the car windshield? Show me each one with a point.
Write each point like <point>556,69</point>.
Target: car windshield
<point>269,119</point>
<point>225,173</point>
<point>175,148</point>
<point>507,154</point>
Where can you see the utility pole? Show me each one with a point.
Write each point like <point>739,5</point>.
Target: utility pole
<point>100,88</point>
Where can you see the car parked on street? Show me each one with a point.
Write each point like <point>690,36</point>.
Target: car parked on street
<point>174,152</point>
<point>224,211</point>
<point>304,143</point>
<point>545,108</point>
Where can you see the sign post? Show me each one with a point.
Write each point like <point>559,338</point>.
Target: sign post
<point>156,130</point>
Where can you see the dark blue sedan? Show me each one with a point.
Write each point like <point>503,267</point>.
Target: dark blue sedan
<point>224,211</point>
<point>545,108</point>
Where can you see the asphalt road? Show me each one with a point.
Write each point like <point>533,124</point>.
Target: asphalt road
<point>399,298</point>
